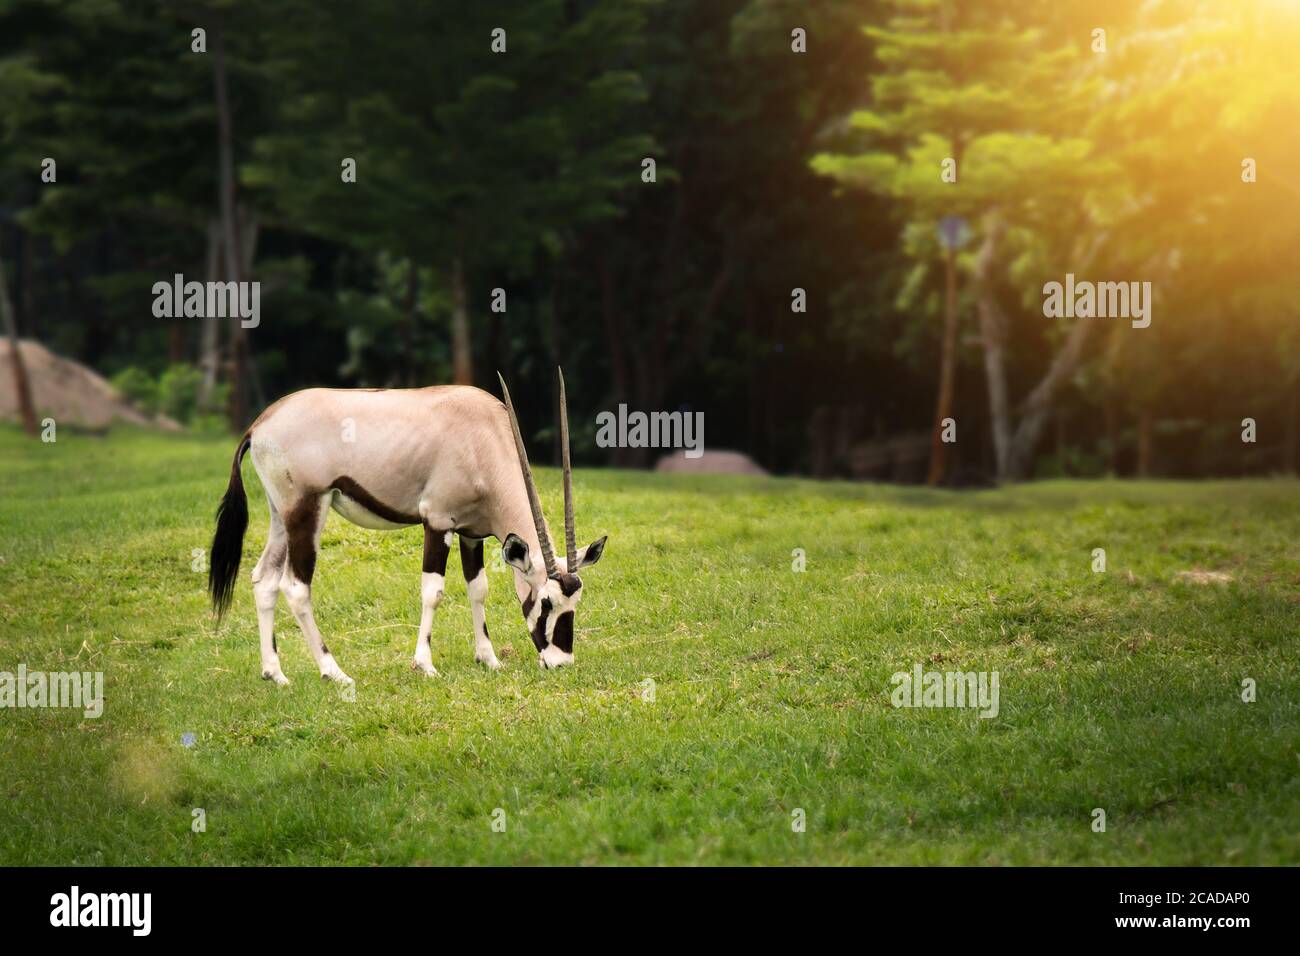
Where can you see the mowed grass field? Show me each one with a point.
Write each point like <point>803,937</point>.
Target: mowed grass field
<point>771,688</point>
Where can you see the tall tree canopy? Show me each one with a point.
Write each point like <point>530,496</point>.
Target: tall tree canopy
<point>428,191</point>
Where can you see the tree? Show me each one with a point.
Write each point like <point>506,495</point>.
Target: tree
<point>978,116</point>
<point>694,284</point>
<point>22,85</point>
<point>481,134</point>
<point>1199,129</point>
<point>133,120</point>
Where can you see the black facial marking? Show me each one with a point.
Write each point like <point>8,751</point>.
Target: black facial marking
<point>569,584</point>
<point>539,629</point>
<point>563,635</point>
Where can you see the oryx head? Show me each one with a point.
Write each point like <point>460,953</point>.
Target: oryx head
<point>550,604</point>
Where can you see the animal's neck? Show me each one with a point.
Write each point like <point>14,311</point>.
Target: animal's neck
<point>516,517</point>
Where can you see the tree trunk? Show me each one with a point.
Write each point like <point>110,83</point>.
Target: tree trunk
<point>947,372</point>
<point>408,322</point>
<point>21,294</point>
<point>1144,445</point>
<point>614,340</point>
<point>229,226</point>
<point>209,333</point>
<point>249,231</point>
<point>22,384</point>
<point>613,329</point>
<point>1038,406</point>
<point>993,337</point>
<point>693,344</point>
<point>1290,432</point>
<point>462,356</point>
<point>553,344</point>
<point>1112,433</point>
<point>995,374</point>
<point>1061,442</point>
<point>1017,446</point>
<point>175,343</point>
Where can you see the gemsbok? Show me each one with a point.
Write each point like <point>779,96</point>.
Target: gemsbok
<point>450,458</point>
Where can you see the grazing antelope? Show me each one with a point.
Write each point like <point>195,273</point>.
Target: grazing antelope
<point>449,458</point>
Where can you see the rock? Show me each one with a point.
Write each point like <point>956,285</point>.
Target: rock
<point>710,463</point>
<point>68,392</point>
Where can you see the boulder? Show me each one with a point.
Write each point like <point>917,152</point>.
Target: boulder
<point>67,391</point>
<point>711,462</point>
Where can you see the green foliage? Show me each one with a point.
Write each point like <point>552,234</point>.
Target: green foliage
<point>174,394</point>
<point>1121,163</point>
<point>467,153</point>
<point>776,171</point>
<point>178,392</point>
<point>139,387</point>
<point>990,88</point>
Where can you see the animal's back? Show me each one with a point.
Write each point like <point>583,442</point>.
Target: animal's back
<point>401,445</point>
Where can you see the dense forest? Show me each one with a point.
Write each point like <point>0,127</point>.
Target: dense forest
<point>826,224</point>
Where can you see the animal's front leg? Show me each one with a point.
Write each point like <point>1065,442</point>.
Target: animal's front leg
<point>437,546</point>
<point>476,583</point>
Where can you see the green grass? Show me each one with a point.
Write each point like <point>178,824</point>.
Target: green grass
<point>1119,690</point>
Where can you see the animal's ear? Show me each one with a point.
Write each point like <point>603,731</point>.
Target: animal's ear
<point>591,553</point>
<point>514,551</point>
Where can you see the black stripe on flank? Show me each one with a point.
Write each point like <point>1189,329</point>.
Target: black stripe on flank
<point>371,503</point>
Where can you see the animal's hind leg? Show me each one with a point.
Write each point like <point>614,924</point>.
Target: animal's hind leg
<point>476,583</point>
<point>303,524</point>
<point>437,546</point>
<point>266,592</point>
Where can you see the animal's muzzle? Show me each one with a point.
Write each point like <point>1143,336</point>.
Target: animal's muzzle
<point>553,657</point>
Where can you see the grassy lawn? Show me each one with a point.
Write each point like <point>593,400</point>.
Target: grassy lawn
<point>1119,690</point>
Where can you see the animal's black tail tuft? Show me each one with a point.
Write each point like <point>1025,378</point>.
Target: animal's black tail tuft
<point>228,542</point>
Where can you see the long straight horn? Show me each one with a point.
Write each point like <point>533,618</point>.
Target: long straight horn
<point>570,543</point>
<point>534,503</point>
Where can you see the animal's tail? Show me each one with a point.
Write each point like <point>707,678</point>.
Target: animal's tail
<point>228,542</point>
